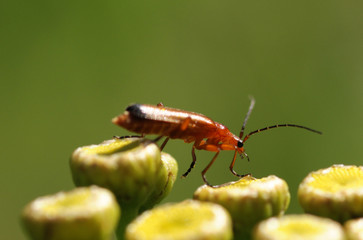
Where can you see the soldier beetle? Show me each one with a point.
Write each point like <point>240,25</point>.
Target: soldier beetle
<point>191,127</point>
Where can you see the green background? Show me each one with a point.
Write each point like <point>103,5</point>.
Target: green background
<point>68,67</point>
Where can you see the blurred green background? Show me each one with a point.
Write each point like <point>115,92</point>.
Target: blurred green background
<point>68,67</point>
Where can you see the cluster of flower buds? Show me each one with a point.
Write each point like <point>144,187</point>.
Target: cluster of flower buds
<point>120,181</point>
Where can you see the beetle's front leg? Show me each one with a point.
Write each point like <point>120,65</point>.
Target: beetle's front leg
<point>232,165</point>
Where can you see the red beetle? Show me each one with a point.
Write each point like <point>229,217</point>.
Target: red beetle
<point>190,127</point>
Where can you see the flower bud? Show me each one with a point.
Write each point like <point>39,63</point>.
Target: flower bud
<point>187,220</point>
<point>354,229</point>
<point>166,181</point>
<point>335,192</point>
<point>132,168</point>
<point>83,213</point>
<point>129,167</point>
<point>304,226</point>
<point>248,200</point>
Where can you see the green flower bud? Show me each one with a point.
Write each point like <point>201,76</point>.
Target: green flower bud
<point>129,167</point>
<point>335,192</point>
<point>89,213</point>
<point>248,200</point>
<point>354,229</point>
<point>187,220</point>
<point>301,227</point>
<point>132,168</point>
<point>166,182</point>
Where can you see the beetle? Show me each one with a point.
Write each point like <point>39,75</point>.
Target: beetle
<point>191,127</point>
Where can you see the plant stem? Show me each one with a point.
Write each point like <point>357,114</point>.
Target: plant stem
<point>128,214</point>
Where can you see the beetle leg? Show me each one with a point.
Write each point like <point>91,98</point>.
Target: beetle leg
<point>209,147</point>
<point>192,164</point>
<point>224,146</point>
<point>158,138</point>
<point>164,143</point>
<point>196,144</point>
<point>206,169</point>
<point>185,123</point>
<point>128,136</point>
<point>232,165</point>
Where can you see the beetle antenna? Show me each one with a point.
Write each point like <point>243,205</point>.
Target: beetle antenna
<point>279,125</point>
<point>252,104</point>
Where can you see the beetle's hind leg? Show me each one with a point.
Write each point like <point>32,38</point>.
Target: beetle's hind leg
<point>164,143</point>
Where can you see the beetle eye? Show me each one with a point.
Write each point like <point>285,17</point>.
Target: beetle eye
<point>239,144</point>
